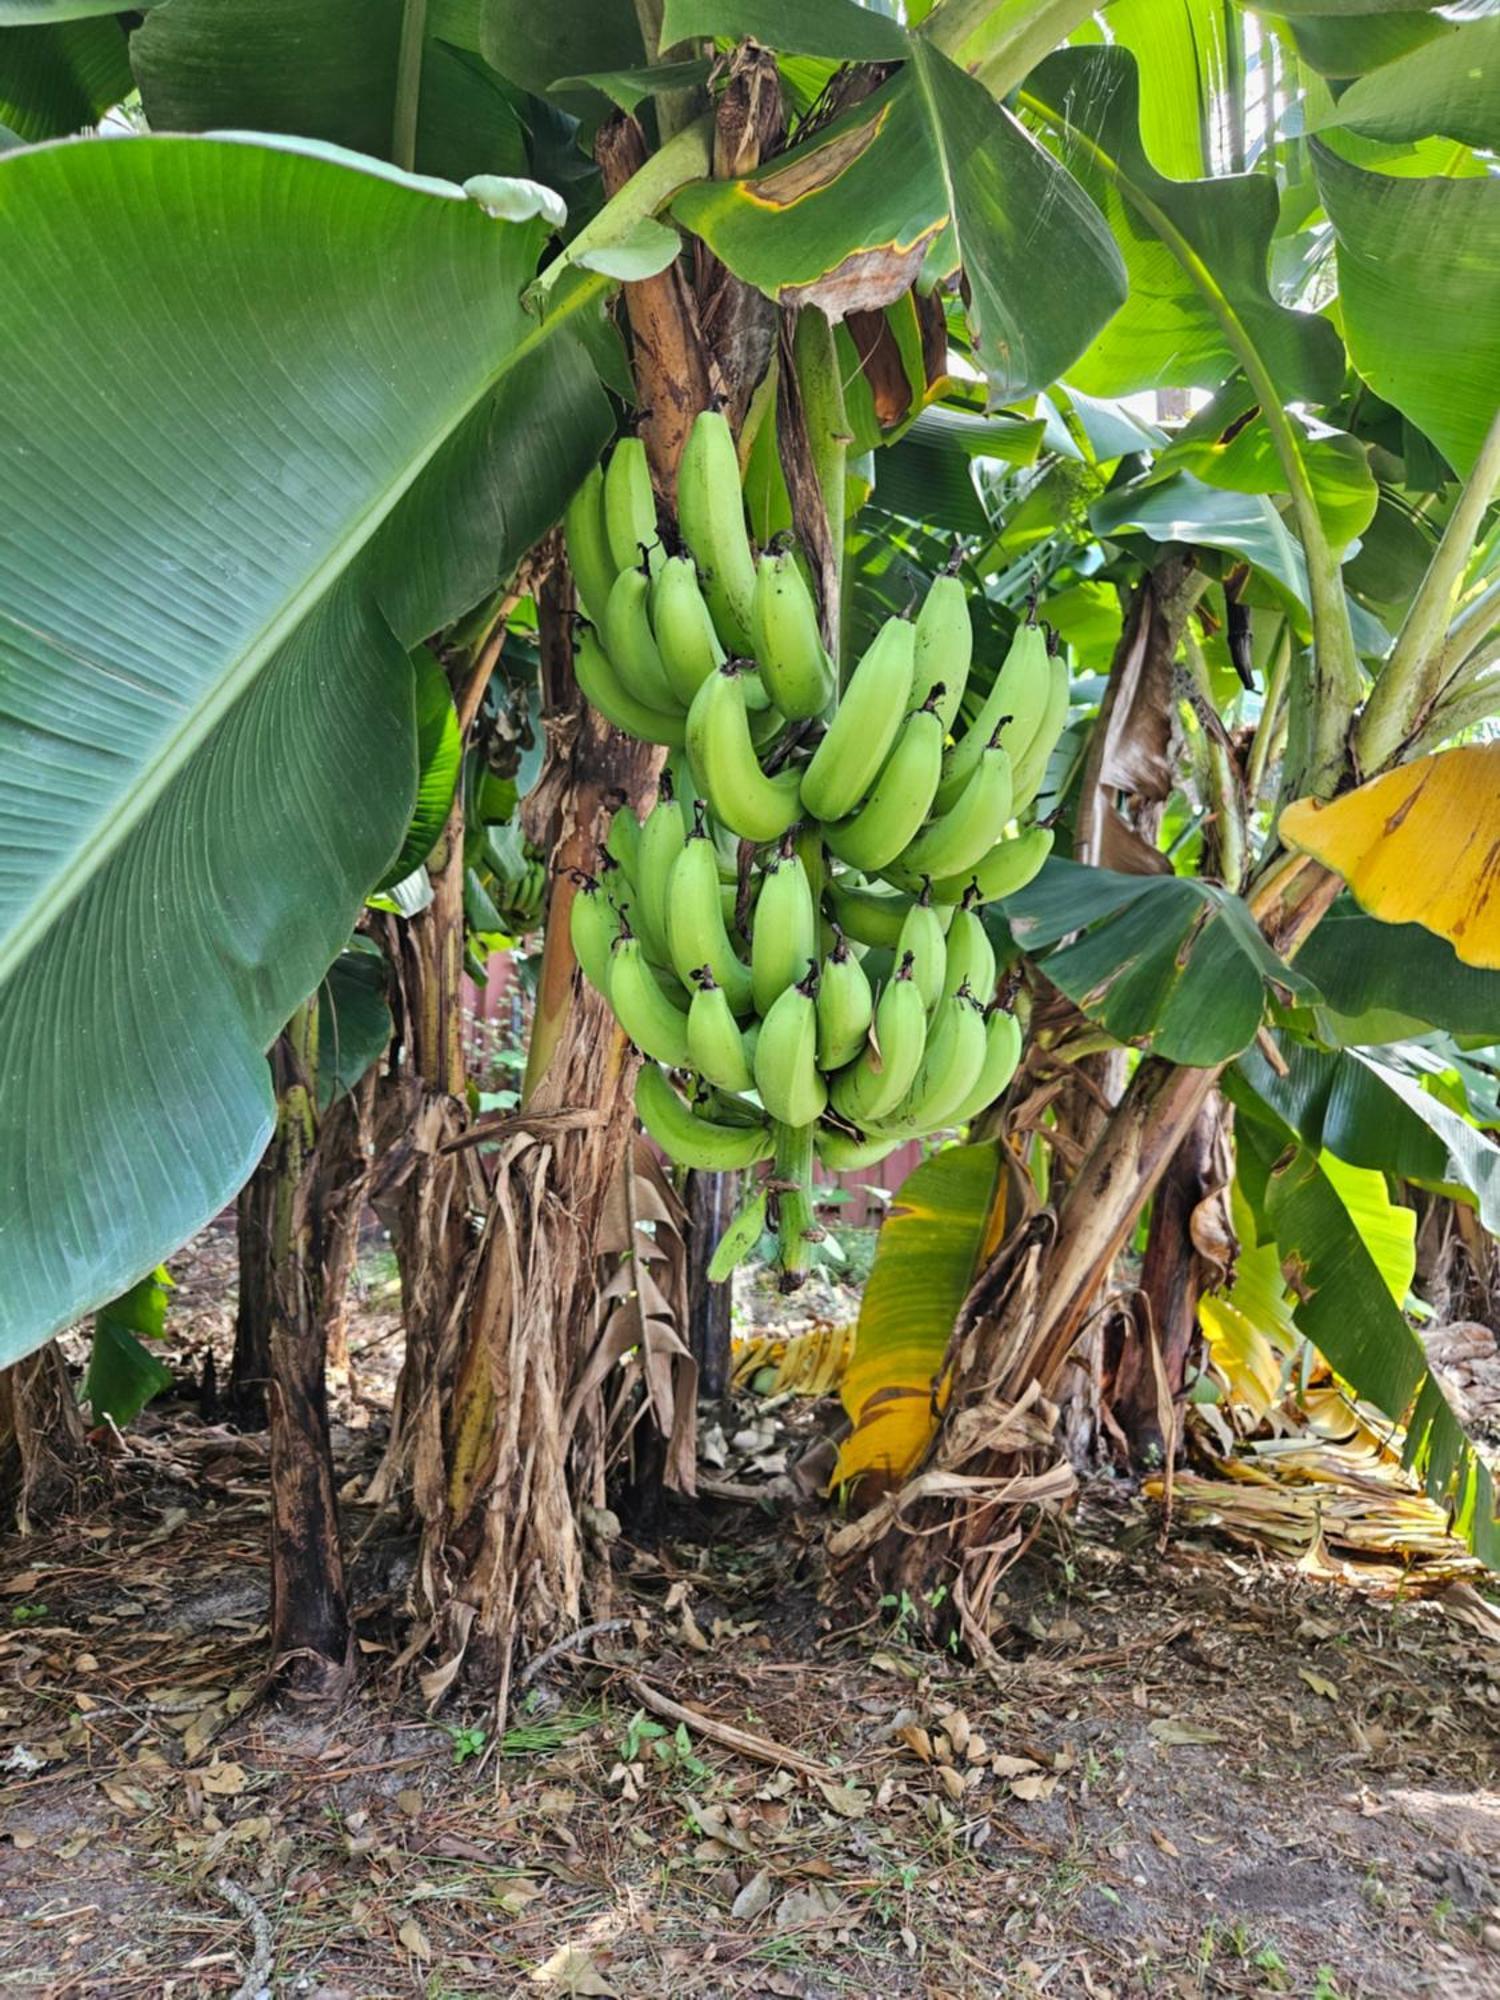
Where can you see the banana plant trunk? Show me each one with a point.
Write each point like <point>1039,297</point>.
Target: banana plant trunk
<point>311,1643</point>
<point>1151,1378</point>
<point>509,1505</point>
<point>512,1499</point>
<point>44,1452</point>
<point>429,1196</point>
<point>244,1400</point>
<point>1022,1319</point>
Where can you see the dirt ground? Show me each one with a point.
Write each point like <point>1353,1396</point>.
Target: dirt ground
<point>1197,1772</point>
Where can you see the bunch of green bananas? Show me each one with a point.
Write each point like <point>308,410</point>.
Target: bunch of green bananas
<point>793,931</point>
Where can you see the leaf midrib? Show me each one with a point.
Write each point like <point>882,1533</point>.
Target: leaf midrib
<point>60,891</point>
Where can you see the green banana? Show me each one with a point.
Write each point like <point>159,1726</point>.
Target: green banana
<point>739,1239</point>
<point>842,1153</point>
<point>684,628</point>
<point>1031,770</point>
<point>623,841</point>
<point>691,1140</point>
<point>696,930</point>
<point>858,739</point>
<point>593,925</point>
<point>716,1049</point>
<point>784,936</point>
<point>961,837</point>
<point>630,507</point>
<point>1004,871</point>
<point>893,814</point>
<point>711,516</point>
<point>787,1076</point>
<point>922,937</point>
<point>943,647</point>
<point>971,956</point>
<point>948,1071</point>
<point>727,769</point>
<point>846,1006</point>
<point>632,648</point>
<point>1017,700</point>
<point>641,1007</point>
<point>594,568</point>
<point>603,687</point>
<point>661,841</point>
<point>877,1080</point>
<point>869,916</point>
<point>1002,1057</point>
<point>798,674</point>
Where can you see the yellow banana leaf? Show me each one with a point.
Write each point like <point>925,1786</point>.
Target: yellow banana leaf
<point>1419,846</point>
<point>946,1220</point>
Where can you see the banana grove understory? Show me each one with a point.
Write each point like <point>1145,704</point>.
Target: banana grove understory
<point>622,627</point>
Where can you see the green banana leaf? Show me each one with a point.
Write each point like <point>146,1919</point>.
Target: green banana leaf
<point>1195,250</point>
<point>1368,1108</point>
<point>46,13</point>
<point>1340,43</point>
<point>1419,295</point>
<point>1345,1307</point>
<point>300,419</point>
<point>122,1375</point>
<point>1164,961</point>
<point>1190,60</point>
<point>837,28</point>
<point>534,45</point>
<point>322,69</point>
<point>60,79</point>
<point>1450,86</point>
<point>999,42</point>
<point>927,174</point>
<point>1184,508</point>
<point>440,756</point>
<point>1240,457</point>
<point>354,1019</point>
<point>1385,982</point>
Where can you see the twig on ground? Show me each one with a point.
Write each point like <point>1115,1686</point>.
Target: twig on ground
<point>760,1748</point>
<point>571,1644</point>
<point>257,1980</point>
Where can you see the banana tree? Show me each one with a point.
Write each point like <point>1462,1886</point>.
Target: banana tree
<point>373,409</point>
<point>1193,987</point>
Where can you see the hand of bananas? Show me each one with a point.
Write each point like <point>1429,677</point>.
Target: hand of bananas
<point>831,994</point>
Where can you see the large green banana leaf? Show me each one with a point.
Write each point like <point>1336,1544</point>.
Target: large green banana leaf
<point>1168,962</point>
<point>1346,1309</point>
<point>274,414</point>
<point>323,69</point>
<point>924,176</point>
<point>1196,250</point>
<point>60,77</point>
<point>1419,294</point>
<point>1369,1108</point>
<point>1450,86</point>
